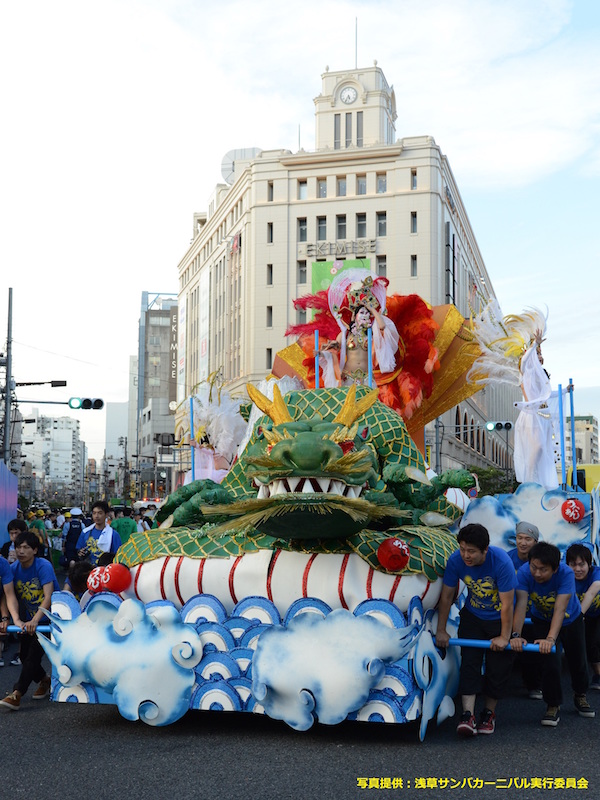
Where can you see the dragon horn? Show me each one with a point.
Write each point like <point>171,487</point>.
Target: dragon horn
<point>276,409</point>
<point>352,410</point>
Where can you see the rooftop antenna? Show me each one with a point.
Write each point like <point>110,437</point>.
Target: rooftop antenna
<point>355,42</point>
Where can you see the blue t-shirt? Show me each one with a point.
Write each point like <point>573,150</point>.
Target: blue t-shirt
<point>6,575</point>
<point>29,585</point>
<point>581,588</point>
<point>89,539</point>
<point>514,557</point>
<point>484,583</point>
<point>543,595</point>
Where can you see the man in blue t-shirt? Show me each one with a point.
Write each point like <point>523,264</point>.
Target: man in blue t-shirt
<point>489,576</point>
<point>549,586</point>
<point>33,581</point>
<point>99,537</point>
<point>587,586</point>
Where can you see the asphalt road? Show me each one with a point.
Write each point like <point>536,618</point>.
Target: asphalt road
<point>52,750</point>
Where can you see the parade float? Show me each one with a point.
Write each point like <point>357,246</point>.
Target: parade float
<point>304,585</point>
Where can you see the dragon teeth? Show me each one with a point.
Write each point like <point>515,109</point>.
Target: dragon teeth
<point>324,484</point>
<point>337,487</point>
<point>307,488</point>
<point>263,492</point>
<point>277,487</point>
<point>293,483</point>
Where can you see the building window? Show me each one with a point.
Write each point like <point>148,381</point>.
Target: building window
<point>382,266</point>
<point>341,226</point>
<point>301,229</point>
<point>361,226</point>
<point>300,316</point>
<point>302,192</point>
<point>336,131</point>
<point>269,274</point>
<point>301,271</point>
<point>270,191</point>
<point>457,423</point>
<point>413,179</point>
<point>269,359</point>
<point>359,128</point>
<point>361,184</point>
<point>348,129</point>
<point>381,223</point>
<point>413,266</point>
<point>269,233</point>
<point>322,187</point>
<point>413,221</point>
<point>381,183</point>
<point>269,316</point>
<point>341,187</point>
<point>322,229</point>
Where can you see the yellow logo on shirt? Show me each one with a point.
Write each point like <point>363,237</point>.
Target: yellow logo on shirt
<point>483,593</point>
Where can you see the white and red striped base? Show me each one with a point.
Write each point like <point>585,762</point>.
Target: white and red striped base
<point>341,581</point>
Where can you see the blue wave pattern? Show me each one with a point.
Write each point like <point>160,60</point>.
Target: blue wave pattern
<point>391,655</point>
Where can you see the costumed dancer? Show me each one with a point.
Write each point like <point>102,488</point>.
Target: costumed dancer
<point>214,432</point>
<point>511,353</point>
<point>403,333</point>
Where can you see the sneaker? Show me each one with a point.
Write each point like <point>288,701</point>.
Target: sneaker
<point>551,718</point>
<point>12,701</point>
<point>487,722</point>
<point>583,707</point>
<point>15,662</point>
<point>467,725</point>
<point>43,690</point>
<point>595,684</point>
<point>536,694</point>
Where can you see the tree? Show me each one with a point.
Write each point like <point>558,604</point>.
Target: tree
<point>492,480</point>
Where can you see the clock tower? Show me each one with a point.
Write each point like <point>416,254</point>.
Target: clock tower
<point>356,108</point>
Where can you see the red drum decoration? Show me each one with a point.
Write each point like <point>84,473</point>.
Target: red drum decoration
<point>393,554</point>
<point>573,510</point>
<point>116,578</point>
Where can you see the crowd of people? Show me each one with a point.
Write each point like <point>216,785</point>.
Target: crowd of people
<point>528,595</point>
<point>28,575</point>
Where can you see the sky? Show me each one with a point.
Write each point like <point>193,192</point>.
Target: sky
<point>116,116</point>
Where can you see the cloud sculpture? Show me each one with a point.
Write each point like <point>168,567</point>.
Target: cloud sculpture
<point>437,674</point>
<point>324,667</point>
<point>144,657</point>
<point>532,503</point>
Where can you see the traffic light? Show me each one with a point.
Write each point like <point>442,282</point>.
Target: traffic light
<point>498,426</point>
<point>85,403</point>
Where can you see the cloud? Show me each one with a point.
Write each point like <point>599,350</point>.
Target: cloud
<point>323,667</point>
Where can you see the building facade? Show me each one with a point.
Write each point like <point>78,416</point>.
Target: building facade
<point>57,456</point>
<point>155,388</point>
<point>586,440</point>
<point>390,204</point>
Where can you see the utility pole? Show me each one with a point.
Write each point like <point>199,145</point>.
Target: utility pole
<point>126,489</point>
<point>8,385</point>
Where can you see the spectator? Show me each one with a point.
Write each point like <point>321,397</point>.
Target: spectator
<point>587,586</point>
<point>14,527</point>
<point>76,582</point>
<point>33,581</point>
<point>490,579</point>
<point>99,537</point>
<point>72,530</point>
<point>125,525</point>
<point>555,615</point>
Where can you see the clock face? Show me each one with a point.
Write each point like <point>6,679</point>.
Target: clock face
<point>348,95</point>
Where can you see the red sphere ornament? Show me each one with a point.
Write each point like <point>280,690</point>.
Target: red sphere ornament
<point>393,554</point>
<point>117,578</point>
<point>96,580</point>
<point>573,510</point>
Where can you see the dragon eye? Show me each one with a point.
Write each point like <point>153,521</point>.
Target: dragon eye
<point>346,446</point>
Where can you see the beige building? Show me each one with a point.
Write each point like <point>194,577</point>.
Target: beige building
<point>362,194</point>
